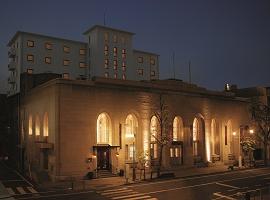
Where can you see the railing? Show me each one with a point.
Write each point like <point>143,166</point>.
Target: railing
<point>11,52</point>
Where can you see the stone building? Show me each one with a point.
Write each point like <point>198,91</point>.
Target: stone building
<point>71,127</point>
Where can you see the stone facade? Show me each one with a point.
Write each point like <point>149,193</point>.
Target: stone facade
<point>106,123</point>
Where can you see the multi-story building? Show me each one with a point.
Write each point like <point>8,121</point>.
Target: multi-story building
<point>107,53</point>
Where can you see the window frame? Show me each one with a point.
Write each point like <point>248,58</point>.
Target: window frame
<point>140,59</point>
<point>48,45</point>
<point>28,56</point>
<point>30,43</point>
<point>82,51</point>
<point>68,62</point>
<point>49,61</point>
<point>65,76</point>
<point>66,49</point>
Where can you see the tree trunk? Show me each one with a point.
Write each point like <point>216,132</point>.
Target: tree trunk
<point>160,160</point>
<point>265,153</point>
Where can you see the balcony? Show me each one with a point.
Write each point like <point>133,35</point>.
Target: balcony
<point>11,52</point>
<point>11,79</point>
<point>11,66</point>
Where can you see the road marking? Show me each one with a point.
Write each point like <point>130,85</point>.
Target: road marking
<point>124,188</point>
<point>143,197</point>
<point>32,190</point>
<point>21,190</point>
<point>226,185</point>
<point>10,191</point>
<point>127,196</point>
<point>116,192</point>
<point>23,178</point>
<point>223,196</point>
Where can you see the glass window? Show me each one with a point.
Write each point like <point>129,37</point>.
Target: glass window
<point>106,64</point>
<point>66,49</point>
<point>106,74</point>
<point>30,57</point>
<point>124,53</point>
<point>48,46</point>
<point>152,61</point>
<point>140,59</point>
<point>82,51</point>
<point>30,125</point>
<point>124,76</point>
<point>30,43</point>
<point>177,129</point>
<point>171,153</point>
<point>153,73</point>
<point>115,64</point>
<point>132,151</point>
<point>106,50</point>
<point>45,125</point>
<point>66,62</point>
<point>48,60</point>
<point>106,37</point>
<point>115,75</point>
<point>37,126</point>
<point>65,75</point>
<point>82,64</point>
<point>114,51</point>
<point>29,71</point>
<point>176,152</point>
<point>140,71</point>
<point>103,129</point>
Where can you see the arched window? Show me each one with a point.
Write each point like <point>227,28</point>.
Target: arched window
<point>154,131</point>
<point>103,129</point>
<point>199,137</point>
<point>45,125</point>
<point>37,126</point>
<point>178,129</point>
<point>131,127</point>
<point>30,125</point>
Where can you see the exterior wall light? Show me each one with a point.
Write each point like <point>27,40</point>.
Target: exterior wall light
<point>234,133</point>
<point>251,131</point>
<point>94,156</point>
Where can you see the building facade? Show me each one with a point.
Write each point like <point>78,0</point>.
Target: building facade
<point>107,53</point>
<point>71,127</point>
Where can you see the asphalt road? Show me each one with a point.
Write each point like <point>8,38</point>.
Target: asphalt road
<point>218,186</point>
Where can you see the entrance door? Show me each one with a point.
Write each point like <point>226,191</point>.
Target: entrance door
<point>103,158</point>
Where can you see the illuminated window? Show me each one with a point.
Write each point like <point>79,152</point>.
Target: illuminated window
<point>152,61</point>
<point>115,38</point>
<point>106,50</point>
<point>66,49</point>
<point>65,75</point>
<point>30,43</point>
<point>124,76</point>
<point>106,64</point>
<point>154,130</point>
<point>114,51</point>
<point>124,54</point>
<point>140,59</point>
<point>106,74</point>
<point>48,46</point>
<point>195,136</point>
<point>45,125</point>
<point>171,152</point>
<point>30,125</point>
<point>30,57</point>
<point>104,129</point>
<point>106,37</point>
<point>82,51</point>
<point>48,60</point>
<point>124,68</point>
<point>29,71</point>
<point>115,64</point>
<point>177,129</point>
<point>176,152</point>
<point>153,73</point>
<point>66,62</point>
<point>37,126</point>
<point>115,75</point>
<point>82,65</point>
<point>140,71</point>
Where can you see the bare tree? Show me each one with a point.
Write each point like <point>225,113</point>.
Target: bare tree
<point>163,136</point>
<point>260,114</point>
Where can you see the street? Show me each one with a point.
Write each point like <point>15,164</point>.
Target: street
<point>214,186</point>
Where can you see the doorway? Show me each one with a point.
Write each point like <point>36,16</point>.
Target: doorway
<point>103,158</point>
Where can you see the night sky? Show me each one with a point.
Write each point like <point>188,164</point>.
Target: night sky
<point>227,41</point>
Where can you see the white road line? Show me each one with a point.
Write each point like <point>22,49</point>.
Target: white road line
<point>32,190</point>
<point>136,198</point>
<point>223,196</point>
<point>115,195</point>
<point>127,196</point>
<point>226,185</point>
<point>115,192</point>
<point>124,188</point>
<point>10,191</point>
<point>23,178</point>
<point>21,190</point>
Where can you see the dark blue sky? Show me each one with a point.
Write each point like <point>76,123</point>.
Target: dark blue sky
<point>226,40</point>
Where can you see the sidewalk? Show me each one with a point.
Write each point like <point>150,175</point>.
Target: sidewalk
<point>103,183</point>
<point>4,193</point>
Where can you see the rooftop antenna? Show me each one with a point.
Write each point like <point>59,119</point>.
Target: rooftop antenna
<point>173,66</point>
<point>189,70</point>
